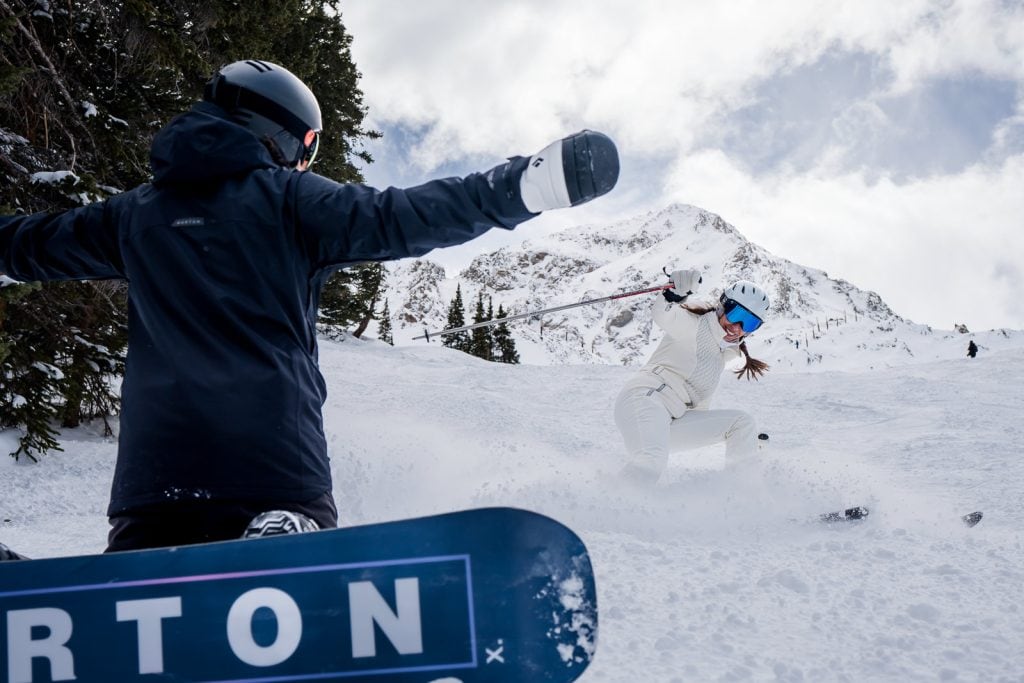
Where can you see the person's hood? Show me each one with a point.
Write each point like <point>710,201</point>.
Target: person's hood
<point>202,145</point>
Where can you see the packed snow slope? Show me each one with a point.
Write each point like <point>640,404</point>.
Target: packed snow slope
<point>707,576</point>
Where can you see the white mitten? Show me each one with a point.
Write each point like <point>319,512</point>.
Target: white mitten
<point>569,172</point>
<point>685,281</point>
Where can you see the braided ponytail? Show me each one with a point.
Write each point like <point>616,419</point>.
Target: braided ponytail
<point>753,368</point>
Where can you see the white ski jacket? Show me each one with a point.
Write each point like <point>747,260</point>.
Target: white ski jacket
<point>688,362</point>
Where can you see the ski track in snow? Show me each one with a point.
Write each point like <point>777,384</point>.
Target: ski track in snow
<point>709,576</point>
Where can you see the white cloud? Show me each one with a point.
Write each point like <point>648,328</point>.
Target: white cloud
<point>895,130</point>
<point>1008,136</point>
<point>962,38</point>
<point>938,249</point>
<point>487,75</point>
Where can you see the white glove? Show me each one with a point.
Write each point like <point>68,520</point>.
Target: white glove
<point>569,172</point>
<point>685,281</point>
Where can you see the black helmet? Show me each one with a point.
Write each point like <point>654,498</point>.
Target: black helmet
<point>271,102</point>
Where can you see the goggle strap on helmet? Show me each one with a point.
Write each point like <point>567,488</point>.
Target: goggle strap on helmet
<point>229,96</point>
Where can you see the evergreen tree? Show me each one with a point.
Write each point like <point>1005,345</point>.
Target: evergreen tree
<point>504,345</point>
<point>339,306</point>
<point>349,299</point>
<point>84,86</point>
<point>456,318</point>
<point>371,284</point>
<point>384,327</point>
<point>480,344</point>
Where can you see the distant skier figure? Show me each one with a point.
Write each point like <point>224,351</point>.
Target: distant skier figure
<point>225,253</point>
<point>972,349</point>
<point>664,407</point>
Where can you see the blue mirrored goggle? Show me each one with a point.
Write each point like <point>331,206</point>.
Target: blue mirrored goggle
<point>737,313</point>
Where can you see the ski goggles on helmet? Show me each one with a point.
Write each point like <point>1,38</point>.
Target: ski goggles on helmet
<point>735,312</point>
<point>310,146</point>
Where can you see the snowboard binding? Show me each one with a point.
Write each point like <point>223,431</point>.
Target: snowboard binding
<point>276,522</point>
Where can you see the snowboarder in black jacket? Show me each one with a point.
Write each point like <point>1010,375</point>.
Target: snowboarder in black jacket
<point>225,253</point>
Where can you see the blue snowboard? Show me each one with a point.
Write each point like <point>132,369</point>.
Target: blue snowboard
<point>496,594</point>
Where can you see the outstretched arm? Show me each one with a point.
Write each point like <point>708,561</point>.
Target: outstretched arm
<point>669,315</point>
<point>80,244</point>
<point>674,319</point>
<point>350,223</point>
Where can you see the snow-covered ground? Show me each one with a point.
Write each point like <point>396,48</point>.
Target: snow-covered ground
<point>705,577</point>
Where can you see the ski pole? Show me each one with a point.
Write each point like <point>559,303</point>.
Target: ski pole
<point>427,335</point>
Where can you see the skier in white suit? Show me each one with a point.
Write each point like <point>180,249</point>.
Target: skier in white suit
<point>664,407</point>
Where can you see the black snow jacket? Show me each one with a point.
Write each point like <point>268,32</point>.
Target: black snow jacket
<point>225,254</point>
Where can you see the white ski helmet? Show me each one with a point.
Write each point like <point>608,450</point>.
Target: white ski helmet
<point>748,295</point>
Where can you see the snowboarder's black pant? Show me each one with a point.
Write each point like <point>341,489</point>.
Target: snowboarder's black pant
<point>203,521</point>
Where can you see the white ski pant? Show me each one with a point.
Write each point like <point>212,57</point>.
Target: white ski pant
<point>651,432</point>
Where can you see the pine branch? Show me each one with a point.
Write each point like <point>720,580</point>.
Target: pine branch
<point>13,166</point>
<point>38,48</point>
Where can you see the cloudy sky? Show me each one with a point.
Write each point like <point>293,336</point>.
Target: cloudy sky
<point>880,141</point>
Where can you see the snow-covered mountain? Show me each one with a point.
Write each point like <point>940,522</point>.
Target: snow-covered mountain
<point>817,322</point>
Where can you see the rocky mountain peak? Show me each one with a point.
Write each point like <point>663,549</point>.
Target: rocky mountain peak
<point>815,321</point>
